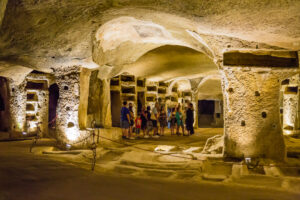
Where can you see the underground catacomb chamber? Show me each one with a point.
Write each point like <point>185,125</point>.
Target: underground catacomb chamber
<point>194,62</point>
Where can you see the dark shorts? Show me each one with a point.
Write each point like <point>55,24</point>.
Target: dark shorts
<point>125,124</point>
<point>154,122</point>
<point>163,123</point>
<point>144,125</point>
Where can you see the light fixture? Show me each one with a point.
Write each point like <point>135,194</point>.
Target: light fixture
<point>248,160</point>
<point>24,133</point>
<point>68,146</point>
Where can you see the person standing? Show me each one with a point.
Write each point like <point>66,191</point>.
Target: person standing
<point>144,120</point>
<point>131,122</point>
<point>162,121</point>
<point>149,122</point>
<point>179,119</point>
<point>173,121</point>
<point>125,120</point>
<point>190,119</point>
<point>154,117</point>
<point>138,124</point>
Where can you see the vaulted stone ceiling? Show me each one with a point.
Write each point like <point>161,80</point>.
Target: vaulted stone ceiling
<point>169,62</point>
<point>52,33</point>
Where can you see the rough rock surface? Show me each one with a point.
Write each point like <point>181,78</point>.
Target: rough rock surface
<point>214,145</point>
<point>67,121</point>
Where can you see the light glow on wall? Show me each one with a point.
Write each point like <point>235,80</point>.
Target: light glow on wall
<point>72,134</point>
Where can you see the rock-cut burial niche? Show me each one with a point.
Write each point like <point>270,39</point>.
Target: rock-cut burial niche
<point>291,90</point>
<point>127,78</point>
<point>70,125</point>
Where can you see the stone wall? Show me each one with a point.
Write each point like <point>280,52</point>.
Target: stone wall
<point>17,103</point>
<point>251,104</point>
<point>67,124</point>
<point>290,105</point>
<point>37,102</point>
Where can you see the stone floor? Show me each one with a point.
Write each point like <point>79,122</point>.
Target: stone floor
<point>136,171</point>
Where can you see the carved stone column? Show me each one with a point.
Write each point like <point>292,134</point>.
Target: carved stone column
<point>251,85</point>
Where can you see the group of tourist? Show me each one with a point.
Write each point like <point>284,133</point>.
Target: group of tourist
<point>153,121</point>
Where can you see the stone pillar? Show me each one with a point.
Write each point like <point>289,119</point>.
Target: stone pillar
<point>17,107</point>
<point>105,115</point>
<point>195,103</point>
<point>43,110</point>
<point>84,97</point>
<point>67,123</point>
<point>251,84</point>
<point>290,105</point>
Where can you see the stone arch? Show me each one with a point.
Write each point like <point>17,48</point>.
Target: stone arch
<point>210,87</point>
<point>115,47</point>
<point>179,79</point>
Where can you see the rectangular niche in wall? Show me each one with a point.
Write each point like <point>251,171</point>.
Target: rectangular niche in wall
<point>150,99</point>
<point>29,107</point>
<point>127,78</point>
<point>31,118</point>
<point>174,99</point>
<point>285,82</point>
<point>128,90</point>
<point>114,82</point>
<point>174,89</point>
<point>162,91</point>
<point>162,84</point>
<point>151,88</point>
<point>128,98</point>
<point>32,97</point>
<point>287,59</point>
<point>291,90</point>
<point>37,85</point>
<point>140,83</point>
<point>186,94</point>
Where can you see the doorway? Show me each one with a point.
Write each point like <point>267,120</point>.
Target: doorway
<point>206,110</point>
<point>4,105</point>
<point>140,101</point>
<point>53,100</point>
<point>115,108</point>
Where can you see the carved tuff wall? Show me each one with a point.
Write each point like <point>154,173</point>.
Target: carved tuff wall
<point>67,124</point>
<point>17,103</point>
<point>251,85</point>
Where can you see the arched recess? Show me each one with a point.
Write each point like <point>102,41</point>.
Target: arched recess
<point>124,40</point>
<point>123,44</point>
<point>210,102</point>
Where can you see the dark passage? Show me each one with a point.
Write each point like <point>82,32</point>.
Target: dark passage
<point>115,108</point>
<point>206,109</point>
<point>53,99</point>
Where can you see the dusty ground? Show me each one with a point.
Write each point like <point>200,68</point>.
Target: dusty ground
<point>25,175</point>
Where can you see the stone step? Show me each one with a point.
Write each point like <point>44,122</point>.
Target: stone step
<point>213,177</point>
<point>158,173</point>
<point>164,166</point>
<point>125,169</point>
